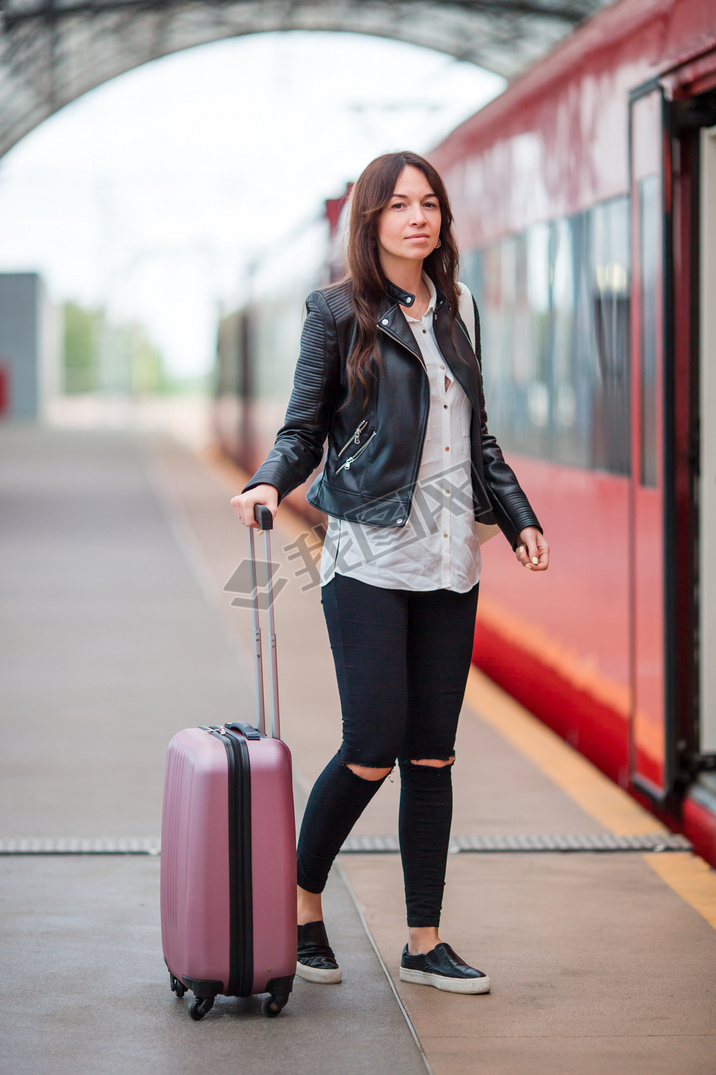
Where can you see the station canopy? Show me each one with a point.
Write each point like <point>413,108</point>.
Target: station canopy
<point>53,51</point>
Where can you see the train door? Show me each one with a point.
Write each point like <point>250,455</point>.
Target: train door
<point>707,453</point>
<point>672,155</point>
<point>649,734</point>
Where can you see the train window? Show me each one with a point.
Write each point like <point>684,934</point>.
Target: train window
<point>609,288</point>
<point>532,359</point>
<point>571,384</point>
<point>228,352</point>
<point>648,258</point>
<point>471,274</point>
<point>509,281</point>
<point>554,306</point>
<point>484,277</point>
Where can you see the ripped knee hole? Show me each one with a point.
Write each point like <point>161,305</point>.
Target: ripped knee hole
<point>368,772</point>
<point>435,763</point>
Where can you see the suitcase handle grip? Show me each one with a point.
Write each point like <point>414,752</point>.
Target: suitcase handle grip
<point>263,517</point>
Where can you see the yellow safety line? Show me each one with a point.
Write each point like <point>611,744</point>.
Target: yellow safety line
<point>690,877</point>
<point>687,874</point>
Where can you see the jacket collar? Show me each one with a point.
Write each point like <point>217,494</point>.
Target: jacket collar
<point>404,298</point>
<point>391,319</point>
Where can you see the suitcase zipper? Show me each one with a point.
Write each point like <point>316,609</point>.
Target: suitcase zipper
<point>241,930</point>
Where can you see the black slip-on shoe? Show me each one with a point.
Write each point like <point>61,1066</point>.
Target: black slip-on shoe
<point>316,961</point>
<point>443,968</point>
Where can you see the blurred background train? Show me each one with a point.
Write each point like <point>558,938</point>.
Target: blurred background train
<point>585,202</point>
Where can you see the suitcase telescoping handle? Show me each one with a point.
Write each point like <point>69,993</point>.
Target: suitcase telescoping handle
<point>264,518</point>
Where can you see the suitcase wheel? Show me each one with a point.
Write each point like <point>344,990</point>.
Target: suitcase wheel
<point>272,1006</point>
<point>199,1006</point>
<point>176,986</point>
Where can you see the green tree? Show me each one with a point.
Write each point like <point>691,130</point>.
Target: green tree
<point>82,334</point>
<point>100,355</point>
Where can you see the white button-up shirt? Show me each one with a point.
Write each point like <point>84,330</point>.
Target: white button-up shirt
<point>438,547</point>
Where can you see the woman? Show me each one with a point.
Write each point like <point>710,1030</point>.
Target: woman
<point>388,375</point>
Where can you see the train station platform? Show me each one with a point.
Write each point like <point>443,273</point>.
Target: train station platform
<point>598,933</point>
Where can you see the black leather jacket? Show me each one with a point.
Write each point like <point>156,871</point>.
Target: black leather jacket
<point>375,445</point>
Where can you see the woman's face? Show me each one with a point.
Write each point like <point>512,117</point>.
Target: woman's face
<point>409,226</point>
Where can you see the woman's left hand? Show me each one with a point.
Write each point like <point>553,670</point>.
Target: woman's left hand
<point>533,551</point>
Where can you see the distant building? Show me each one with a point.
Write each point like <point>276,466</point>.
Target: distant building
<point>29,346</point>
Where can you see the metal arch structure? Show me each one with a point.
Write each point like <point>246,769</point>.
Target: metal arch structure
<point>53,51</point>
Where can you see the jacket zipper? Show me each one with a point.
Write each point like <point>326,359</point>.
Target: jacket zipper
<point>352,458</point>
<point>426,388</point>
<point>355,438</point>
<point>403,344</point>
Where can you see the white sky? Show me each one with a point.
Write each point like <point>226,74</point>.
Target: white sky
<point>151,194</point>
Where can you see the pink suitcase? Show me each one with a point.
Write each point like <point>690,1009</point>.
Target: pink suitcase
<point>228,861</point>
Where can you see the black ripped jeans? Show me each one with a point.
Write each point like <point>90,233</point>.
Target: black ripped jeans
<point>402,659</point>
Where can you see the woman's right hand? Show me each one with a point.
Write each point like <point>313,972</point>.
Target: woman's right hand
<point>244,503</point>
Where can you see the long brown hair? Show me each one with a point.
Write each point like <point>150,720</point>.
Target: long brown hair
<point>370,195</point>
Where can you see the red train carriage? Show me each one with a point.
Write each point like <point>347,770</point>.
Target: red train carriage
<point>585,197</point>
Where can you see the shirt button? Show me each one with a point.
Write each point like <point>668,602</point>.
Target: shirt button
<point>424,331</point>
<point>445,406</point>
<point>447,449</point>
<point>444,535</point>
<point>442,367</point>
